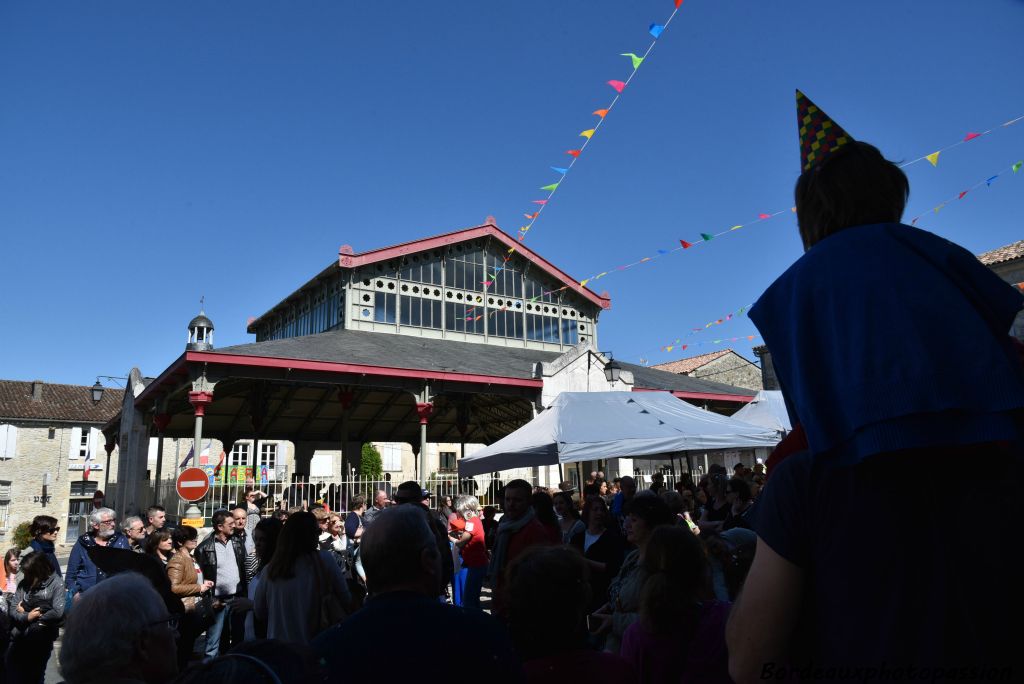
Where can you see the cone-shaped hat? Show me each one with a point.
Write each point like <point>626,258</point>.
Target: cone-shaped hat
<point>819,134</point>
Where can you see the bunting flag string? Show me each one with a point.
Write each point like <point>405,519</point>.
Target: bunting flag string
<point>684,347</point>
<point>933,158</point>
<point>655,30</point>
<point>987,182</point>
<point>732,315</point>
<point>761,218</point>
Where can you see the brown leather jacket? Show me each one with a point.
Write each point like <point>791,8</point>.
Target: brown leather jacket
<point>184,580</point>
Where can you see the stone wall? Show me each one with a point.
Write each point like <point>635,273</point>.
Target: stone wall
<point>45,449</point>
<point>1013,273</point>
<point>731,369</point>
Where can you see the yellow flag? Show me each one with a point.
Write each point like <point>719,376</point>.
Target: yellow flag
<point>933,158</point>
<point>586,134</point>
<point>736,227</point>
<point>583,283</point>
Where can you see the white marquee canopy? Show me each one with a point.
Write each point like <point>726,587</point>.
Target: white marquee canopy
<point>588,426</point>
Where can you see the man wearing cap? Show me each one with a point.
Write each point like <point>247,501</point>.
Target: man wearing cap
<point>877,423</point>
<point>410,493</point>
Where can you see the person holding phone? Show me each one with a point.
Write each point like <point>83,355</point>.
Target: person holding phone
<point>36,611</point>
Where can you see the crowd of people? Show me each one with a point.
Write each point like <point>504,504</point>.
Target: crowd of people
<point>305,580</point>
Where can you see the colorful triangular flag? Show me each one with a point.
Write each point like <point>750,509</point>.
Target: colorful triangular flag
<point>559,169</point>
<point>655,30</point>
<point>573,153</point>
<point>635,59</point>
<point>685,244</point>
<point>971,136</point>
<point>1016,167</point>
<point>600,112</point>
<point>707,238</point>
<point>933,158</point>
<point>550,188</point>
<point>619,86</point>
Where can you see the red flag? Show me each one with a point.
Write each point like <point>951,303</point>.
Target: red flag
<point>678,3</point>
<point>683,348</point>
<point>972,136</point>
<point>618,85</point>
<point>764,216</point>
<point>575,153</point>
<point>540,202</point>
<point>685,244</point>
<point>962,194</point>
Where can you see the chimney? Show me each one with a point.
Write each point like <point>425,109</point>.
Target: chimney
<point>37,390</point>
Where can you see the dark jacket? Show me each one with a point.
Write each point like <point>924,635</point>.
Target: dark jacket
<point>206,555</point>
<point>82,573</point>
<point>48,597</point>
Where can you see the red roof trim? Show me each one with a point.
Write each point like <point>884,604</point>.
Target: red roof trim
<point>335,367</point>
<point>384,253</point>
<point>710,396</point>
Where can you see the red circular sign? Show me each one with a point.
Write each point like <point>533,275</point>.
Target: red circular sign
<point>192,484</point>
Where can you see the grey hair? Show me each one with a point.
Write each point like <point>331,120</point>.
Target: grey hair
<point>103,631</point>
<point>391,546</point>
<point>97,516</point>
<point>129,521</point>
<point>467,502</point>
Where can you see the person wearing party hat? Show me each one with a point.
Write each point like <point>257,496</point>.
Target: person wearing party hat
<point>892,351</point>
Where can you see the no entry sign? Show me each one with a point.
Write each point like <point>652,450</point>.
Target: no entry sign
<point>192,484</point>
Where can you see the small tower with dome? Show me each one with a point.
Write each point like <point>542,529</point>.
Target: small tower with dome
<point>200,333</point>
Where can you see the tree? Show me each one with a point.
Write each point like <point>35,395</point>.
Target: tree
<point>21,536</point>
<point>371,466</point>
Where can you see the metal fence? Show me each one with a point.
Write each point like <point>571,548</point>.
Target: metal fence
<point>335,493</point>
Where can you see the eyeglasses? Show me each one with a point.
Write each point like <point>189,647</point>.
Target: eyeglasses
<point>104,522</point>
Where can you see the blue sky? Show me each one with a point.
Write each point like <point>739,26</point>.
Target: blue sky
<point>155,152</point>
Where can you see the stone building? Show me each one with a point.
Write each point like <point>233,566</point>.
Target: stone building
<point>1008,263</point>
<point>724,365</point>
<point>49,434</point>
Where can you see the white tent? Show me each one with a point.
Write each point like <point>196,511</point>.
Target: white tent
<point>587,426</point>
<point>768,409</point>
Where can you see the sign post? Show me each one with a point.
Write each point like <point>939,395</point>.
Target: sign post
<point>192,485</point>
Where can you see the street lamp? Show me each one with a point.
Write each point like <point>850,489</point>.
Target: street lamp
<point>612,371</point>
<point>97,392</point>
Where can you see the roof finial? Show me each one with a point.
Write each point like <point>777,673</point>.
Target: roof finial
<point>202,304</point>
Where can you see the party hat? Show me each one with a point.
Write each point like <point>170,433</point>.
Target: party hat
<point>819,135</point>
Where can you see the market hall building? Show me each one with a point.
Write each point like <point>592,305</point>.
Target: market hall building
<point>461,337</point>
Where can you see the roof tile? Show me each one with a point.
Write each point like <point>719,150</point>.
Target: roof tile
<point>1001,254</point>
<point>58,402</point>
<point>691,363</point>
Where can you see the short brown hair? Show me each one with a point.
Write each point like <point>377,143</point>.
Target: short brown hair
<point>854,186</point>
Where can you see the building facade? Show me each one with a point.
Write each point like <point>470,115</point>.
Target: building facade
<point>49,435</point>
<point>723,365</point>
<point>436,345</point>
